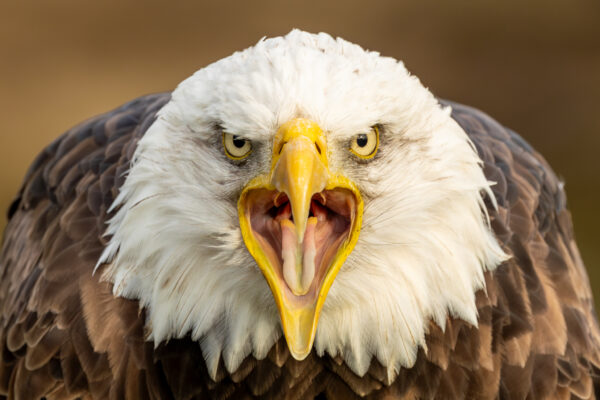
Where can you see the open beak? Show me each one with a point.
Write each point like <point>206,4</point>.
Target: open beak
<point>300,222</point>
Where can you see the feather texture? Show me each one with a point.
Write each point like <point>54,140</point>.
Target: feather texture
<point>64,335</point>
<point>529,330</point>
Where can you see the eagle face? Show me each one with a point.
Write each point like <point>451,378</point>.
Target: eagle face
<point>303,187</point>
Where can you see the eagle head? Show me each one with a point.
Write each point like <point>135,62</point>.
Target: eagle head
<point>303,187</point>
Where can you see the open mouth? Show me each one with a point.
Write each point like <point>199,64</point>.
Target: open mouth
<point>300,221</point>
<point>301,263</point>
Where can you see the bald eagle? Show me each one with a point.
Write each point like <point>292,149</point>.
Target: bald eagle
<point>302,219</point>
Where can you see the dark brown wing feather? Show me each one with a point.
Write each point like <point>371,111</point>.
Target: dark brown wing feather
<point>539,308</point>
<point>62,333</point>
<point>64,336</point>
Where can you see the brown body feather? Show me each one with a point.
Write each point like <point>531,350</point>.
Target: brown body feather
<point>64,336</point>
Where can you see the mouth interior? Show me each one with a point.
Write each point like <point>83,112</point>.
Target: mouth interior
<point>332,210</point>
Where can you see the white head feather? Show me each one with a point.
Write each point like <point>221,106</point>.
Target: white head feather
<point>423,248</point>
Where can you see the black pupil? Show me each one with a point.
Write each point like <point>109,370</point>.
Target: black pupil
<point>238,142</point>
<point>362,140</point>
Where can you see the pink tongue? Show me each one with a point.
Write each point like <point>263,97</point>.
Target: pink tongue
<point>298,258</point>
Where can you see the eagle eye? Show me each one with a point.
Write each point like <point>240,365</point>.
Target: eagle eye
<point>236,147</point>
<point>364,145</point>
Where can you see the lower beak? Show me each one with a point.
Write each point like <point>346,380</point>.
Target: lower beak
<point>300,223</point>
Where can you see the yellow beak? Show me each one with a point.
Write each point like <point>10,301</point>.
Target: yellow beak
<point>300,223</point>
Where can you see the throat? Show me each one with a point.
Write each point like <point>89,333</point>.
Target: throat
<point>301,262</point>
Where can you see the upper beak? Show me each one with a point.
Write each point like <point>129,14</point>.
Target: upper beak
<point>299,173</point>
<point>300,223</point>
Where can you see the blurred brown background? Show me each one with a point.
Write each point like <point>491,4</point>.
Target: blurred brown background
<point>533,65</point>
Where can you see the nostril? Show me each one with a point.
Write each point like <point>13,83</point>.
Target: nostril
<point>318,148</point>
<point>281,147</point>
